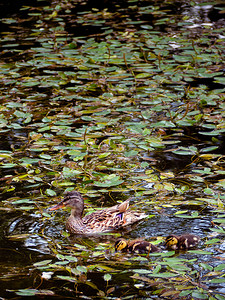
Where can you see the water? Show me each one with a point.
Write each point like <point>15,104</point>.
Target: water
<point>18,256</point>
<point>69,85</point>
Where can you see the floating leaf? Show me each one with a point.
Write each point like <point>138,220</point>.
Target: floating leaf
<point>111,180</point>
<point>71,258</point>
<point>131,153</point>
<point>26,292</point>
<point>67,278</point>
<point>219,220</point>
<point>19,236</point>
<point>82,269</point>
<point>67,172</point>
<point>107,277</point>
<point>50,192</point>
<point>209,149</point>
<point>221,183</point>
<point>218,280</point>
<point>219,267</point>
<point>43,263</point>
<point>212,241</point>
<point>103,155</point>
<point>8,165</point>
<point>199,295</point>
<point>45,156</point>
<point>200,252</point>
<point>163,275</point>
<point>141,271</point>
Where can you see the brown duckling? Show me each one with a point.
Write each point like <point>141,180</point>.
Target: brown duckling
<point>135,246</point>
<point>182,242</point>
<point>105,220</point>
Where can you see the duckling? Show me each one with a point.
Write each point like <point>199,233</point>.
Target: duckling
<point>105,220</point>
<point>135,246</point>
<point>182,242</point>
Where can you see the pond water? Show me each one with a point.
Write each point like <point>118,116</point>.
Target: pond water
<point>115,100</point>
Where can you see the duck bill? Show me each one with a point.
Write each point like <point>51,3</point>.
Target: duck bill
<point>59,205</point>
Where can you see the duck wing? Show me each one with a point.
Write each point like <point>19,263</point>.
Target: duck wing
<point>112,218</point>
<point>106,219</point>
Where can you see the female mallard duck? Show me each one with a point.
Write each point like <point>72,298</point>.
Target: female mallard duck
<point>182,242</point>
<point>136,246</point>
<point>108,219</point>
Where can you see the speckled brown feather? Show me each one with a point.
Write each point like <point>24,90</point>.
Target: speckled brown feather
<point>182,242</point>
<point>108,219</point>
<point>136,246</point>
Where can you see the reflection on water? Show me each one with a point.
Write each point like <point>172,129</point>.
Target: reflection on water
<point>28,237</point>
<point>26,240</point>
<point>23,231</point>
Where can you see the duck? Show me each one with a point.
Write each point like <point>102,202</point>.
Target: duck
<point>182,242</point>
<point>135,246</point>
<point>100,221</point>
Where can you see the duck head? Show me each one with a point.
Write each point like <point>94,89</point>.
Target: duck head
<point>121,245</point>
<point>172,242</point>
<point>73,200</point>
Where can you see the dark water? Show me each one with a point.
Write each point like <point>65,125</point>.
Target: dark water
<point>29,234</point>
<point>18,257</point>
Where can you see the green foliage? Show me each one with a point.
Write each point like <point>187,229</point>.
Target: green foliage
<point>135,107</point>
